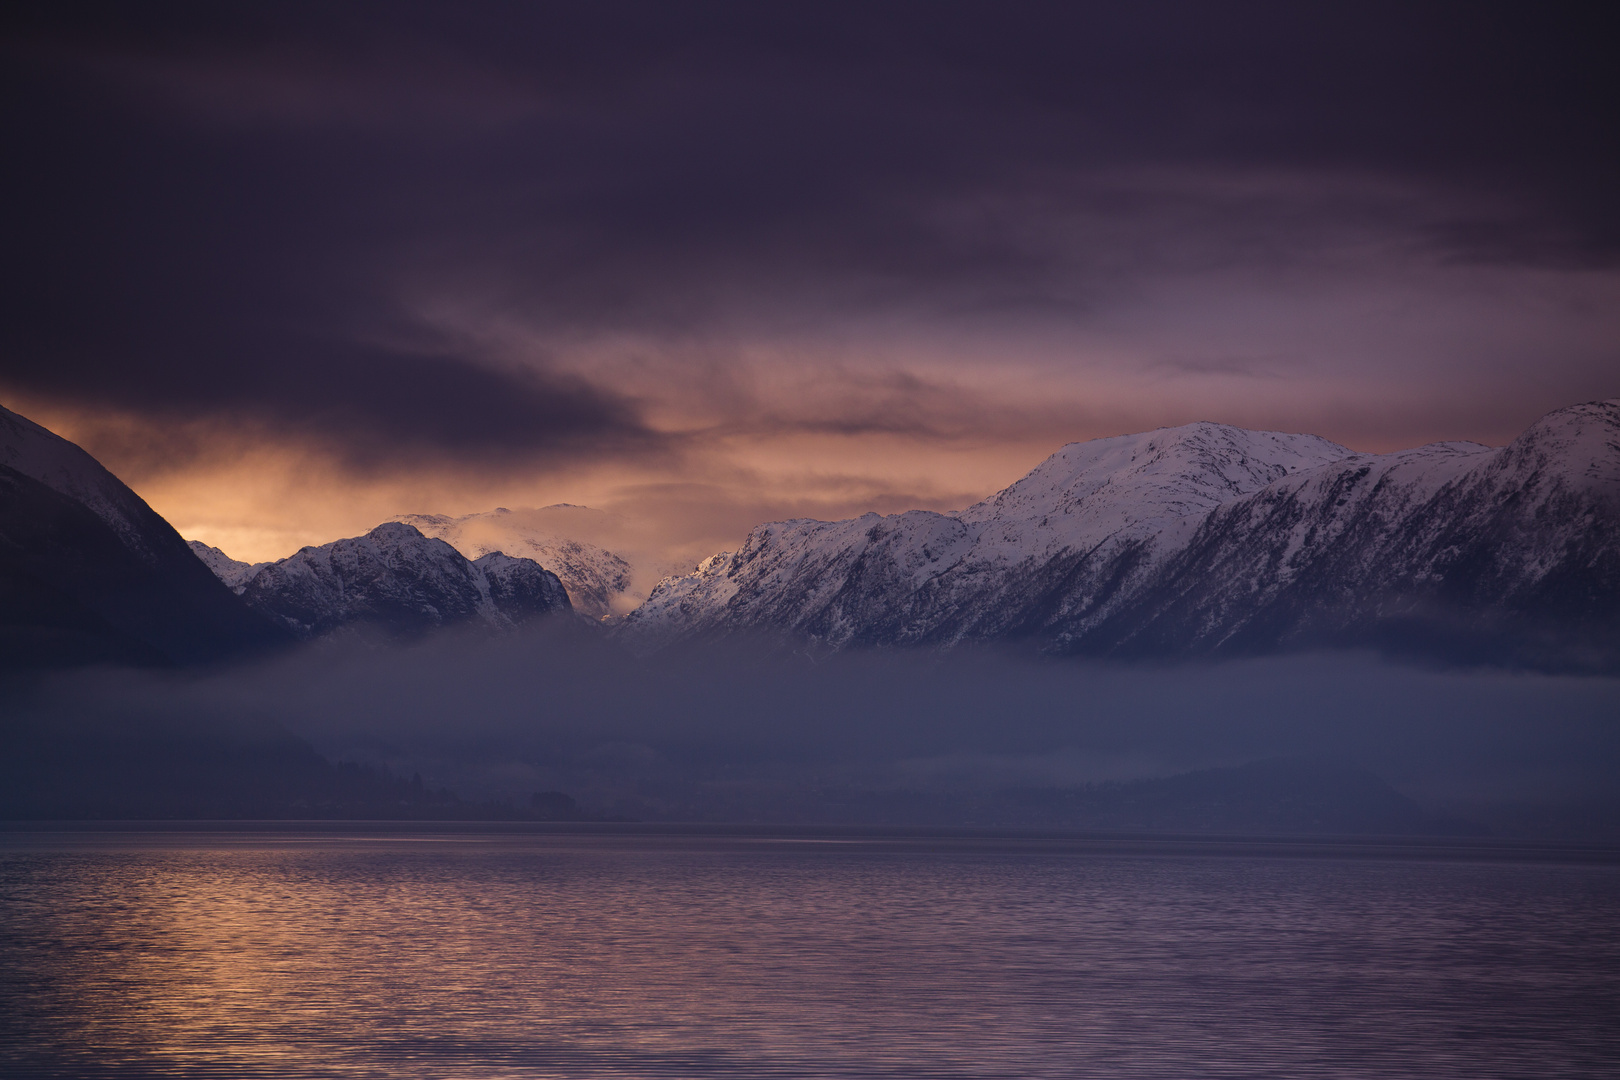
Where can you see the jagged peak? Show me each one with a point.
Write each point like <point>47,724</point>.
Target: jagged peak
<point>390,541</point>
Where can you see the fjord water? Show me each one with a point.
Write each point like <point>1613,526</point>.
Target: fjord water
<point>368,953</point>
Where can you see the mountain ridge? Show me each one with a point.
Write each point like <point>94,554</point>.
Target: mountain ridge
<point>395,579</point>
<point>89,573</point>
<point>1202,540</point>
<point>598,581</point>
<point>233,572</point>
<point>1211,540</point>
<point>1462,544</point>
<point>1074,514</point>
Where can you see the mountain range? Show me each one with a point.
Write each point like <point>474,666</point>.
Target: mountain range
<point>392,579</point>
<point>599,582</point>
<point>1200,540</point>
<point>1210,540</point>
<point>91,574</point>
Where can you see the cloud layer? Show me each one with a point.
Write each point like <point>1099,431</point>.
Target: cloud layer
<point>509,253</point>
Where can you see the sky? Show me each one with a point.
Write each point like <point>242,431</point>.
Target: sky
<point>291,269</point>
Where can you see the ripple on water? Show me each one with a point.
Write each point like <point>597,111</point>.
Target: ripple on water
<point>498,956</point>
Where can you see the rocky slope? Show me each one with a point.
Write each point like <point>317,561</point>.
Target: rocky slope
<point>1208,539</point>
<point>90,573</point>
<point>396,580</point>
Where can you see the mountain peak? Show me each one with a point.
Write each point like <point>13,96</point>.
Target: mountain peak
<point>1208,538</point>
<point>397,579</point>
<point>598,581</point>
<point>395,532</point>
<point>1130,487</point>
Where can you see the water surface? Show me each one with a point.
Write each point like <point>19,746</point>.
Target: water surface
<point>374,953</point>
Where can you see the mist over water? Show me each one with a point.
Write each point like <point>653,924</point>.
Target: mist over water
<point>731,731</point>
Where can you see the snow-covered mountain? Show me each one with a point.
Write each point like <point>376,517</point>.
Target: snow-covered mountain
<point>89,572</point>
<point>1455,548</point>
<point>398,580</point>
<point>1091,521</point>
<point>599,582</point>
<point>1212,539</point>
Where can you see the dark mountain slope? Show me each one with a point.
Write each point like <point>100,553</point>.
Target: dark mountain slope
<point>90,573</point>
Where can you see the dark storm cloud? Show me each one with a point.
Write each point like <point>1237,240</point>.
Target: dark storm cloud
<point>249,211</point>
<point>181,274</point>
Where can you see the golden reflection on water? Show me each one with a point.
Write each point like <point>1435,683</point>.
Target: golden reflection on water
<point>578,956</point>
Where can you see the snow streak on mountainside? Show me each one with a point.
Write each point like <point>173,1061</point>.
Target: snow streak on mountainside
<point>1212,539</point>
<point>232,572</point>
<point>597,580</point>
<point>397,579</point>
<point>90,573</point>
<point>1089,522</point>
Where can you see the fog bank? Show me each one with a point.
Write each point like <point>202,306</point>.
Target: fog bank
<point>730,731</point>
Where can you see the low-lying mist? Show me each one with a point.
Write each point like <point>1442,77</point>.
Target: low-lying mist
<point>732,730</point>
